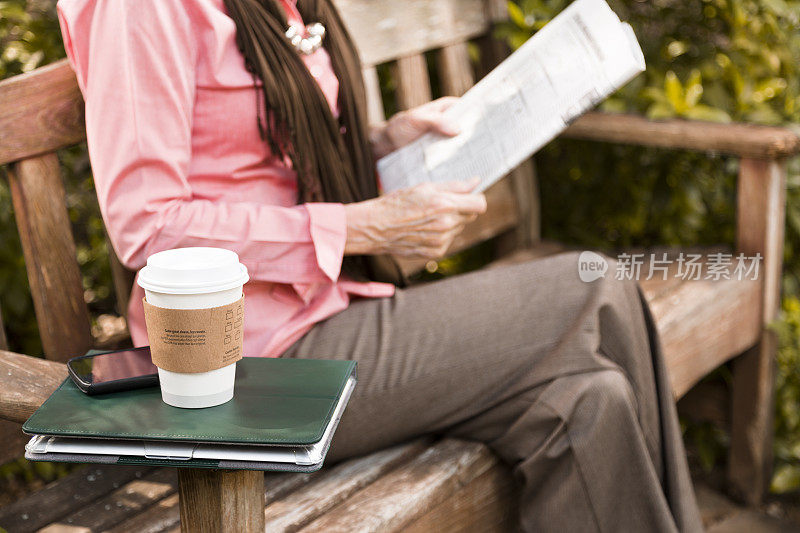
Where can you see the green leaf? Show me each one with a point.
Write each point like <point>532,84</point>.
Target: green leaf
<point>516,15</point>
<point>708,113</point>
<point>660,111</point>
<point>674,91</point>
<point>786,479</point>
<point>694,88</point>
<point>656,94</point>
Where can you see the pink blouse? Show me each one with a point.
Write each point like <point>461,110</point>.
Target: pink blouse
<point>177,160</point>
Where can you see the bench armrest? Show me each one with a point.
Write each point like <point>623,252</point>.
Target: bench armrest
<point>744,140</point>
<point>25,383</point>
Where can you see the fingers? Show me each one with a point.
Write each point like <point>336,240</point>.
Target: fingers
<point>423,220</point>
<point>434,121</point>
<point>467,204</point>
<point>430,116</point>
<point>443,127</point>
<point>430,245</point>
<point>442,104</point>
<point>458,186</point>
<point>458,195</point>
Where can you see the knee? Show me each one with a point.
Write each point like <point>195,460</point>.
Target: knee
<point>593,268</point>
<point>615,290</point>
<point>608,393</point>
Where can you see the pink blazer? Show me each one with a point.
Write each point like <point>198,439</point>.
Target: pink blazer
<point>177,160</point>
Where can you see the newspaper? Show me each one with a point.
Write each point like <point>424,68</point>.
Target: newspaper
<point>579,58</point>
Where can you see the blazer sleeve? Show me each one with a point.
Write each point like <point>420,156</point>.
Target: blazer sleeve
<point>135,64</point>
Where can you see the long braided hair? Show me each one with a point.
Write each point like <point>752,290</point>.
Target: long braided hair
<point>332,158</point>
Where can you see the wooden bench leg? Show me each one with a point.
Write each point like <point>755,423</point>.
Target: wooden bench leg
<point>760,220</point>
<point>221,500</point>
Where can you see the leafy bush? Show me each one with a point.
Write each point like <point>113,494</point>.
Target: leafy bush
<point>787,445</point>
<point>716,60</point>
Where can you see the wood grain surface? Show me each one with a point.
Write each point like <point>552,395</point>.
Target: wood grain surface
<point>123,500</point>
<point>221,500</point>
<point>46,114</point>
<point>413,83</point>
<point>745,140</point>
<point>385,30</point>
<point>26,383</point>
<point>407,493</point>
<point>40,208</point>
<point>62,497</point>
<point>760,218</point>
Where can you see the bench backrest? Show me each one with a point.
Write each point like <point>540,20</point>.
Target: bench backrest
<point>42,112</point>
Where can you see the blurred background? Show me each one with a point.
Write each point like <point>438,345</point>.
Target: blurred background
<point>716,60</point>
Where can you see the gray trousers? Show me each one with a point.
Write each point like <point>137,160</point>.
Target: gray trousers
<point>563,380</point>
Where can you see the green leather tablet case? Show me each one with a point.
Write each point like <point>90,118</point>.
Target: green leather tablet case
<point>276,401</point>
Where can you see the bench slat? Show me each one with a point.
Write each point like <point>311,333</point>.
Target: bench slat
<point>455,69</point>
<point>278,485</point>
<point>487,504</point>
<point>121,503</point>
<point>746,140</point>
<point>385,29</point>
<point>47,112</point>
<point>291,499</point>
<point>372,86</point>
<point>703,324</point>
<point>27,382</point>
<point>335,486</point>
<point>409,492</point>
<point>413,83</point>
<point>163,516</point>
<point>37,192</point>
<point>62,496</point>
<point>760,221</point>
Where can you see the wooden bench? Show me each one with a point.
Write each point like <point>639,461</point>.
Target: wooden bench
<point>428,484</point>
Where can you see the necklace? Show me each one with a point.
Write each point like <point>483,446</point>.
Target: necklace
<point>306,45</point>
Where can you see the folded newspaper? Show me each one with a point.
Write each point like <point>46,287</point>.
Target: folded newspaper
<point>578,59</point>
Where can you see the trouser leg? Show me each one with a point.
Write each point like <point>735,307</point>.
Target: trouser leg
<point>470,355</point>
<point>576,446</point>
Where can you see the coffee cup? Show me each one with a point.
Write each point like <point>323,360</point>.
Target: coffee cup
<point>194,312</point>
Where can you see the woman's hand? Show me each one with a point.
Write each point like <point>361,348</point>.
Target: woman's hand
<point>407,126</point>
<point>420,221</point>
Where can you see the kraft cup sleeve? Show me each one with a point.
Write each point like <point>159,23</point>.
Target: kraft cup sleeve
<point>195,340</point>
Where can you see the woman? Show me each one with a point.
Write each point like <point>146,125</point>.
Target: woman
<point>224,123</point>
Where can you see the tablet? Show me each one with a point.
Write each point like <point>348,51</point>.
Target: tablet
<point>237,456</point>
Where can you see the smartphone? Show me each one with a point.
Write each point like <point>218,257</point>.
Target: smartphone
<point>116,371</point>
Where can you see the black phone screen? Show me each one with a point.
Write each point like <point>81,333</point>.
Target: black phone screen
<point>101,371</point>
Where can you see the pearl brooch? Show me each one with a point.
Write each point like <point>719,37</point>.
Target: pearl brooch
<point>306,45</point>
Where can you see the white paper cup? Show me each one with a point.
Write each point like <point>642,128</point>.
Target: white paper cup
<point>194,278</point>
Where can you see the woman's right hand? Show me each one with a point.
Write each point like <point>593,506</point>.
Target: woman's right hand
<point>420,221</point>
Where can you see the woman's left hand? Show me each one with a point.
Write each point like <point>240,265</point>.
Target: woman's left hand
<point>407,126</point>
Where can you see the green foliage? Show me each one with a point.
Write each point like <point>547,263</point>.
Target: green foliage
<point>787,445</point>
<point>715,60</point>
<point>29,35</point>
<point>706,59</point>
<point>28,471</point>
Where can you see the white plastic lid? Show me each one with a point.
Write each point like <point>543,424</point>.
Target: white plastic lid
<point>193,271</point>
